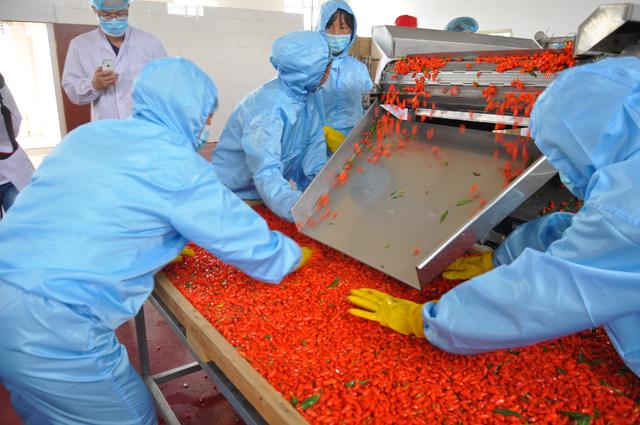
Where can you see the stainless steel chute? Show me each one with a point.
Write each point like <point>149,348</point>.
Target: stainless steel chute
<point>413,212</point>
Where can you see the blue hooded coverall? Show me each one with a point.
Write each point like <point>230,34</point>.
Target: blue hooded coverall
<point>275,134</point>
<point>564,273</point>
<point>116,201</point>
<point>341,95</point>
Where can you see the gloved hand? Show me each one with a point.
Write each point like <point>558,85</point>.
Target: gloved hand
<point>306,254</point>
<point>400,315</point>
<point>467,267</point>
<point>333,137</point>
<point>185,251</point>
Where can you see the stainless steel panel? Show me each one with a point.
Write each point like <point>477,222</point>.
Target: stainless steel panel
<point>475,117</point>
<point>396,42</point>
<point>469,96</point>
<point>461,78</point>
<point>304,208</point>
<point>551,42</point>
<point>520,190</point>
<point>610,29</point>
<point>394,207</point>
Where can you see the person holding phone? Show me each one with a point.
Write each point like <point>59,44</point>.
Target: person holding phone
<point>101,64</point>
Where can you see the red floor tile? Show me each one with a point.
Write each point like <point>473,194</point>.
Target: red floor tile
<point>7,414</point>
<point>193,398</point>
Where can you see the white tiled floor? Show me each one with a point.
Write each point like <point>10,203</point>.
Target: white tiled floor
<point>37,155</point>
<point>37,142</point>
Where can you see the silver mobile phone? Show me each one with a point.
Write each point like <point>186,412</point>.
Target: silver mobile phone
<point>107,65</point>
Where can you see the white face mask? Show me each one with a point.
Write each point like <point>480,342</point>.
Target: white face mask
<point>114,27</point>
<point>338,43</point>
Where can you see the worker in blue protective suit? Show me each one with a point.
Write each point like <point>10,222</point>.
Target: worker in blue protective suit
<point>341,96</point>
<point>273,146</point>
<point>561,273</point>
<point>462,24</point>
<point>115,202</point>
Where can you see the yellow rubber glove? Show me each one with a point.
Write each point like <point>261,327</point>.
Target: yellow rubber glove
<point>333,137</point>
<point>306,254</point>
<point>185,251</point>
<point>467,267</point>
<point>396,313</point>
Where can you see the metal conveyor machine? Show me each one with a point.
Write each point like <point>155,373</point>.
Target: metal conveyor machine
<point>422,178</point>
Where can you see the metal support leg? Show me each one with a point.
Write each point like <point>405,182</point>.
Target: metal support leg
<point>243,408</point>
<point>162,405</point>
<point>141,338</point>
<point>241,405</point>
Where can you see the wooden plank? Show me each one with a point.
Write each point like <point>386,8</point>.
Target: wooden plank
<point>254,202</point>
<point>208,342</point>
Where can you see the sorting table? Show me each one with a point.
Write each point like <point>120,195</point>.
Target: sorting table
<point>253,398</point>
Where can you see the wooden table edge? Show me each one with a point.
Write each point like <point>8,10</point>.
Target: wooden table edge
<point>212,346</point>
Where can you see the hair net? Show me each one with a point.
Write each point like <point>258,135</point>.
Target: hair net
<point>110,4</point>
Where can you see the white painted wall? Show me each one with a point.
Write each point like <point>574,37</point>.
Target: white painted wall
<point>274,5</point>
<point>232,45</point>
<point>525,17</point>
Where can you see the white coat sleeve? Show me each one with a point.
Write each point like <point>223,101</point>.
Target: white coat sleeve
<point>158,50</point>
<point>77,82</point>
<point>10,103</point>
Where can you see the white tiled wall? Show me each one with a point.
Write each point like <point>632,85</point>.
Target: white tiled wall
<point>232,45</point>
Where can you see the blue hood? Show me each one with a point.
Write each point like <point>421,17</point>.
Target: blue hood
<point>175,93</point>
<point>301,59</point>
<point>589,118</point>
<point>326,12</point>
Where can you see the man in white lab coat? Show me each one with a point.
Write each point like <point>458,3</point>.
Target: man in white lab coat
<point>102,64</point>
<point>15,167</point>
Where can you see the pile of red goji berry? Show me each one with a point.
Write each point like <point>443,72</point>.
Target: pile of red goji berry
<point>337,368</point>
<point>519,102</point>
<point>426,65</point>
<point>547,61</point>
